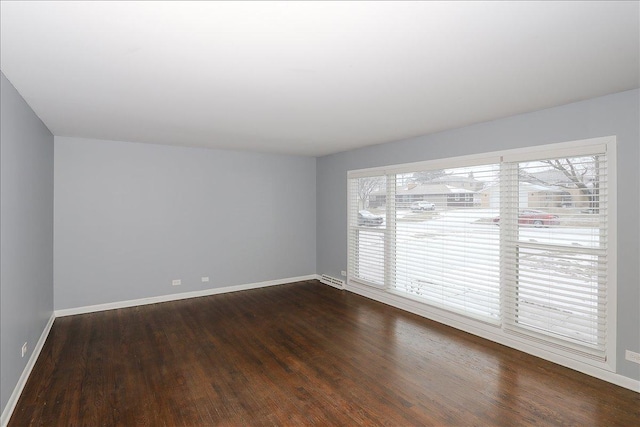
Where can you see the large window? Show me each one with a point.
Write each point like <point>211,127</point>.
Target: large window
<point>519,240</point>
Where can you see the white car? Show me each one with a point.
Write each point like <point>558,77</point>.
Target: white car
<point>367,218</point>
<point>423,206</point>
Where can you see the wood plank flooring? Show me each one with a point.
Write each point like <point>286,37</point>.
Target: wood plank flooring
<point>298,354</point>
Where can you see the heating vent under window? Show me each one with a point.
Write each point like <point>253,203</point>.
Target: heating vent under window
<point>332,281</point>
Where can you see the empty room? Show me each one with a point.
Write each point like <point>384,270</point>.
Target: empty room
<point>420,213</point>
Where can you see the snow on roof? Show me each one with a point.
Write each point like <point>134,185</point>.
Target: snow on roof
<point>528,187</point>
<point>432,189</point>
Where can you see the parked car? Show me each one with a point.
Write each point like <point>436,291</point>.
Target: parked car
<point>423,206</point>
<point>367,218</point>
<point>535,218</point>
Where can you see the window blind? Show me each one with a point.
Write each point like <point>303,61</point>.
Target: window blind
<point>556,251</point>
<point>447,246</point>
<point>367,229</point>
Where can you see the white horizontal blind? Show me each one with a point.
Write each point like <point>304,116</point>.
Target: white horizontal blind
<point>447,245</point>
<point>367,226</point>
<point>556,259</point>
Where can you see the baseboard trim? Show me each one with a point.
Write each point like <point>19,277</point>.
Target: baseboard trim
<point>22,381</point>
<point>487,333</point>
<point>177,297</point>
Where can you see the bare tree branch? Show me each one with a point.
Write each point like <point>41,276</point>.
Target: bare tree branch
<point>581,173</point>
<point>366,186</point>
<point>569,170</point>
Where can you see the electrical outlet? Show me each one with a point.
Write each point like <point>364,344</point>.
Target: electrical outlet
<point>24,349</point>
<point>343,273</point>
<point>632,356</point>
<point>176,282</point>
<point>204,279</point>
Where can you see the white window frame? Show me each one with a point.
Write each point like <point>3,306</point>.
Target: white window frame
<point>546,349</point>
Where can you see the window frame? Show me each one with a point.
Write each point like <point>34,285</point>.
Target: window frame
<point>499,333</point>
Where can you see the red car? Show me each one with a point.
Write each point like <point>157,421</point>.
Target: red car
<point>535,218</point>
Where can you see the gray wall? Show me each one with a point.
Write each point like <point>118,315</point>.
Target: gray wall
<point>26,233</point>
<point>616,114</point>
<point>131,217</point>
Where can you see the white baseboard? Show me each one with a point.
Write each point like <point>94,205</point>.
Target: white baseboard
<point>22,381</point>
<point>176,297</point>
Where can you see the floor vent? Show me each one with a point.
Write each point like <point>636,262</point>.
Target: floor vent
<point>332,281</point>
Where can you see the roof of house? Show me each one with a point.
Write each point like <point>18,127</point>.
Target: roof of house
<point>527,186</point>
<point>432,189</point>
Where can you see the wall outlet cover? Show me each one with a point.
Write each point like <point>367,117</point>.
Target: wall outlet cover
<point>632,356</point>
<point>176,282</point>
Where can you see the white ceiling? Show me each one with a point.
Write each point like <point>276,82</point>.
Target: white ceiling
<point>308,78</point>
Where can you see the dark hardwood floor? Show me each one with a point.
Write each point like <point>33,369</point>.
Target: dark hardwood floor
<point>298,354</point>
